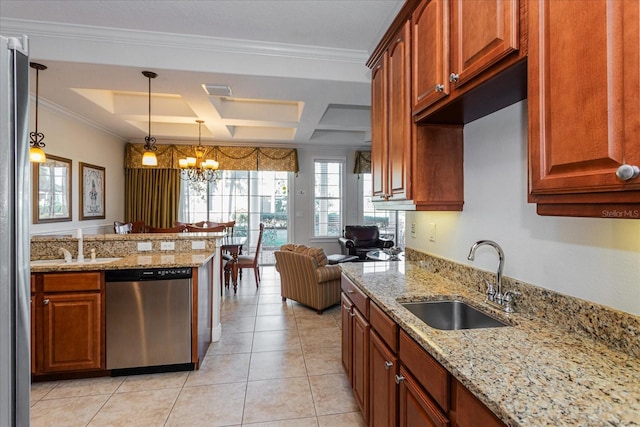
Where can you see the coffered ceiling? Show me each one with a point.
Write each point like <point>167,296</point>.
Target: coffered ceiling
<point>295,68</point>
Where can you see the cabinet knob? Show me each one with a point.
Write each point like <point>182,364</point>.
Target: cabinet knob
<point>439,88</point>
<point>352,314</point>
<point>387,365</point>
<point>399,379</point>
<point>45,302</point>
<point>627,172</point>
<point>453,77</point>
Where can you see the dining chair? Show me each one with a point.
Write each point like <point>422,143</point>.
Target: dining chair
<point>122,228</point>
<point>195,228</point>
<point>251,261</point>
<point>230,225</point>
<point>138,227</point>
<point>178,229</point>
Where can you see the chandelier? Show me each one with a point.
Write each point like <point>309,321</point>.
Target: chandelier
<point>199,169</point>
<point>149,157</point>
<point>36,153</point>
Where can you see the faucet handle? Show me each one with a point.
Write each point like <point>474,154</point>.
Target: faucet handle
<point>508,300</point>
<point>491,291</point>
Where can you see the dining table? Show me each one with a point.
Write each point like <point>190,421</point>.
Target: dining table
<point>233,246</point>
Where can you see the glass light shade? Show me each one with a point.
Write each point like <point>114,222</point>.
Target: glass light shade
<point>183,163</point>
<point>149,159</point>
<point>36,155</point>
<point>212,164</point>
<point>191,161</point>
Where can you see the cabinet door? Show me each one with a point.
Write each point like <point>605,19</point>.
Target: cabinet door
<point>430,53</point>
<point>584,115</point>
<point>383,365</point>
<point>482,34</point>
<point>347,346</point>
<point>361,362</point>
<point>399,115</point>
<point>72,327</point>
<point>415,407</point>
<point>469,411</point>
<point>379,155</point>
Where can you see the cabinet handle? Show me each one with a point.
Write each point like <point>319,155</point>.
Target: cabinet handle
<point>453,77</point>
<point>352,314</point>
<point>45,302</point>
<point>399,40</point>
<point>387,365</point>
<point>399,379</point>
<point>627,172</point>
<point>439,88</point>
<point>350,291</point>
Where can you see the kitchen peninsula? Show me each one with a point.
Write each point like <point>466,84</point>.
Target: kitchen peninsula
<point>536,371</point>
<point>74,307</point>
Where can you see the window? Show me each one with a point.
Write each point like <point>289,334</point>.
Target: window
<point>390,223</point>
<point>327,198</point>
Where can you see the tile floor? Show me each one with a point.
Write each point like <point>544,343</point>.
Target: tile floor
<point>277,364</point>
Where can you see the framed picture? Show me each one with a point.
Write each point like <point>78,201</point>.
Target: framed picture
<point>52,190</point>
<point>92,191</point>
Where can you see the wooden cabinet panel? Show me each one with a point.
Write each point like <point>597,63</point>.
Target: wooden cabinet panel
<point>72,331</point>
<point>361,362</point>
<point>482,34</point>
<point>355,295</point>
<point>468,411</point>
<point>385,326</point>
<point>347,347</point>
<point>69,282</point>
<point>379,137</point>
<point>383,367</point>
<point>430,53</point>
<point>584,106</point>
<point>416,409</point>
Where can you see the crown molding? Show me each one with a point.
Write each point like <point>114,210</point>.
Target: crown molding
<point>168,40</point>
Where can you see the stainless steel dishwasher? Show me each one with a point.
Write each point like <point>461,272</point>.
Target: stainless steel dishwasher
<point>148,318</point>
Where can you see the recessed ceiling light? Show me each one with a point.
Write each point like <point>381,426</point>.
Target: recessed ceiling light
<point>217,90</point>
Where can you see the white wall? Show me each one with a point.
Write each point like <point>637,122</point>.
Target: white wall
<point>67,136</point>
<point>590,258</point>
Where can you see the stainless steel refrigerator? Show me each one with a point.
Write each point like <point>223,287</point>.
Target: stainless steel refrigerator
<point>15,216</point>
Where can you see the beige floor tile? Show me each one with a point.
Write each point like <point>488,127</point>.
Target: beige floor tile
<point>210,405</point>
<point>85,387</point>
<point>233,311</point>
<point>153,382</point>
<point>332,394</point>
<point>300,422</point>
<point>232,343</point>
<point>322,361</point>
<point>317,322</point>
<point>138,408</point>
<point>232,300</point>
<point>321,338</point>
<point>274,309</point>
<point>351,419</point>
<point>40,390</point>
<point>272,299</point>
<point>72,411</point>
<point>218,369</point>
<point>275,323</point>
<point>276,400</point>
<point>270,290</point>
<point>240,324</point>
<point>277,364</point>
<point>276,340</point>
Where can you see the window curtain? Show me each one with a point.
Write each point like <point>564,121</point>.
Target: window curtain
<point>363,162</point>
<point>152,195</point>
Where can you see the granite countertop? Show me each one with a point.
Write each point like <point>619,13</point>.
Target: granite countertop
<point>531,373</point>
<point>138,260</point>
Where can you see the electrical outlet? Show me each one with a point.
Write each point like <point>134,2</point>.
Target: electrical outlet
<point>144,246</point>
<point>432,232</point>
<point>413,229</point>
<point>167,246</point>
<point>197,245</point>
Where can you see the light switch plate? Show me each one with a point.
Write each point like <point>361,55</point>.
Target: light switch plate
<point>167,246</point>
<point>432,232</point>
<point>197,244</point>
<point>144,246</point>
<point>413,229</point>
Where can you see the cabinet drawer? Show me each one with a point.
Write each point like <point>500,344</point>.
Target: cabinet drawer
<point>429,373</point>
<point>386,328</point>
<point>359,299</point>
<point>64,282</point>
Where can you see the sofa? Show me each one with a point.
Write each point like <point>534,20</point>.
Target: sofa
<point>359,239</point>
<point>306,277</point>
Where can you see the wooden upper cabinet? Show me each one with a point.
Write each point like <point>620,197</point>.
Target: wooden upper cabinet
<point>482,33</point>
<point>584,115</point>
<point>399,115</point>
<point>379,158</point>
<point>430,53</point>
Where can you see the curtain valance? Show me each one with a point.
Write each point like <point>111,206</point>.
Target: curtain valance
<point>229,158</point>
<point>363,162</point>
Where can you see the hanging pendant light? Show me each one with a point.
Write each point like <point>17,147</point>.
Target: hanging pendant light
<point>149,157</point>
<point>198,169</point>
<point>36,153</point>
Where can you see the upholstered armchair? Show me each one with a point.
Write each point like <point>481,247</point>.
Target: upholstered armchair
<point>360,239</point>
<point>306,278</point>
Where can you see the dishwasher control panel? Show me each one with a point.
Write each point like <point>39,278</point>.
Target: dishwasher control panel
<point>148,274</point>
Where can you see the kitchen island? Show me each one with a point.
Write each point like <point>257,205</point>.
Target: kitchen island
<point>530,373</point>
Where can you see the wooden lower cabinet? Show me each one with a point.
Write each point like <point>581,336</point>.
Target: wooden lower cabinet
<point>68,323</point>
<point>468,411</point>
<point>416,408</point>
<point>383,368</point>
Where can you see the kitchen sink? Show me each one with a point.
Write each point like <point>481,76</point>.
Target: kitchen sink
<point>52,262</point>
<point>451,315</point>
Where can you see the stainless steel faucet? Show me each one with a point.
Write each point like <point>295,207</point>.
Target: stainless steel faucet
<point>492,295</point>
<point>66,253</point>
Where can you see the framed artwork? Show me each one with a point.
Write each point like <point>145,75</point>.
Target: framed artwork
<point>52,190</point>
<point>92,192</point>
